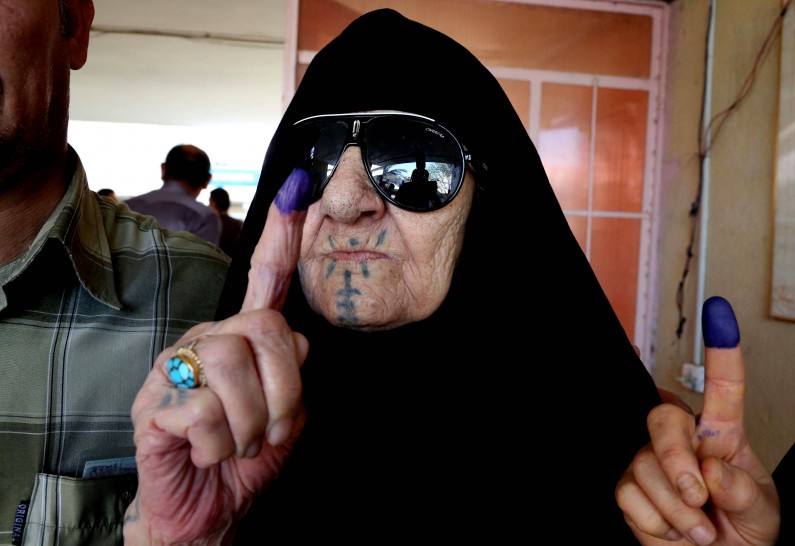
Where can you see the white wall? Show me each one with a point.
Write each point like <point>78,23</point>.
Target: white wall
<point>127,156</point>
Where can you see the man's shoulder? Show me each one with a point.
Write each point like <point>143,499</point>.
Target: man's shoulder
<point>144,197</point>
<point>133,232</point>
<point>189,269</point>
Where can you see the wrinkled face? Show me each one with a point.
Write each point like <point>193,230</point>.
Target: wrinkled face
<point>34,80</point>
<point>370,265</point>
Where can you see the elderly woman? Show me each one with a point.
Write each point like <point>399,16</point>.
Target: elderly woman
<point>466,377</point>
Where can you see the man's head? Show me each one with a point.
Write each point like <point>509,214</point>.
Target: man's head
<point>107,192</point>
<point>41,41</point>
<point>219,200</point>
<point>189,164</point>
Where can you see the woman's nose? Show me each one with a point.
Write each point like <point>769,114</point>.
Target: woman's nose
<point>349,193</point>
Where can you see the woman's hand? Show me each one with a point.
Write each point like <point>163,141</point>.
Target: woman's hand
<point>204,453</point>
<point>701,482</point>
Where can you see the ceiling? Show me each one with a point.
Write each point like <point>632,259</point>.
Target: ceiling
<point>183,62</point>
<point>162,72</point>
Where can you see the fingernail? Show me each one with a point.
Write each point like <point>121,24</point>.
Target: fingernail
<point>253,450</point>
<point>673,535</point>
<point>296,192</point>
<point>280,431</point>
<point>719,325</point>
<point>691,490</point>
<point>701,536</point>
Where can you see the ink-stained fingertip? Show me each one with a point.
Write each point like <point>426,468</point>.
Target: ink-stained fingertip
<point>718,324</point>
<point>296,192</point>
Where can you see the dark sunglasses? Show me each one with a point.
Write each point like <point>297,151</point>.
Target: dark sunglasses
<point>413,162</point>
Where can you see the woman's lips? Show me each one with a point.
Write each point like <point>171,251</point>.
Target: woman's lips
<point>355,256</point>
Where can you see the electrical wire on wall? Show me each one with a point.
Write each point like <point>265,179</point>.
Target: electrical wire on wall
<point>707,138</point>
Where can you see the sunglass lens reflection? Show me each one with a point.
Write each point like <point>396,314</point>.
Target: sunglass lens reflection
<point>414,165</point>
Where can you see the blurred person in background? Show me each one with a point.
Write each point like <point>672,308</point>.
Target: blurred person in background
<point>230,226</point>
<point>185,173</point>
<point>107,192</point>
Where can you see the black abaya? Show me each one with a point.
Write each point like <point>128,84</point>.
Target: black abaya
<point>511,412</point>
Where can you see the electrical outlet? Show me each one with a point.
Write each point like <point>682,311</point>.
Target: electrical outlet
<point>692,377</point>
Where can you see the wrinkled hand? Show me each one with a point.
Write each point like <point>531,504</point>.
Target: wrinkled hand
<point>203,454</point>
<point>703,482</point>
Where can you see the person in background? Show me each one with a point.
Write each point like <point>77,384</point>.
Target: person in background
<point>107,192</point>
<point>185,173</point>
<point>230,226</point>
<point>699,481</point>
<point>466,379</point>
<point>90,294</point>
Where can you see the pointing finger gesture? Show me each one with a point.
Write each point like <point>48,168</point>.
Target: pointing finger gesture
<point>701,482</point>
<point>276,254</point>
<point>204,453</point>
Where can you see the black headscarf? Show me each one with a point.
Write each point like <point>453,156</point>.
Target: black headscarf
<point>784,476</point>
<point>513,409</point>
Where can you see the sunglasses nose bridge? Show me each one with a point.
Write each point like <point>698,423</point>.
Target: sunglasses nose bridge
<point>349,192</point>
<point>351,138</point>
<point>355,138</point>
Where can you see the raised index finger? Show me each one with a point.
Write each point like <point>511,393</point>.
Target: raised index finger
<point>720,428</point>
<point>276,254</point>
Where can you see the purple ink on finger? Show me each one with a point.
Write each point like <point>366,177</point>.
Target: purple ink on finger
<point>719,325</point>
<point>296,192</point>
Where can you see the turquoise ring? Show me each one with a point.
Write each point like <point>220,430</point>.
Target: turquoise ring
<point>186,369</point>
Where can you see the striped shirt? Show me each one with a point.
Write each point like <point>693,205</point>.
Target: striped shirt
<point>83,314</point>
